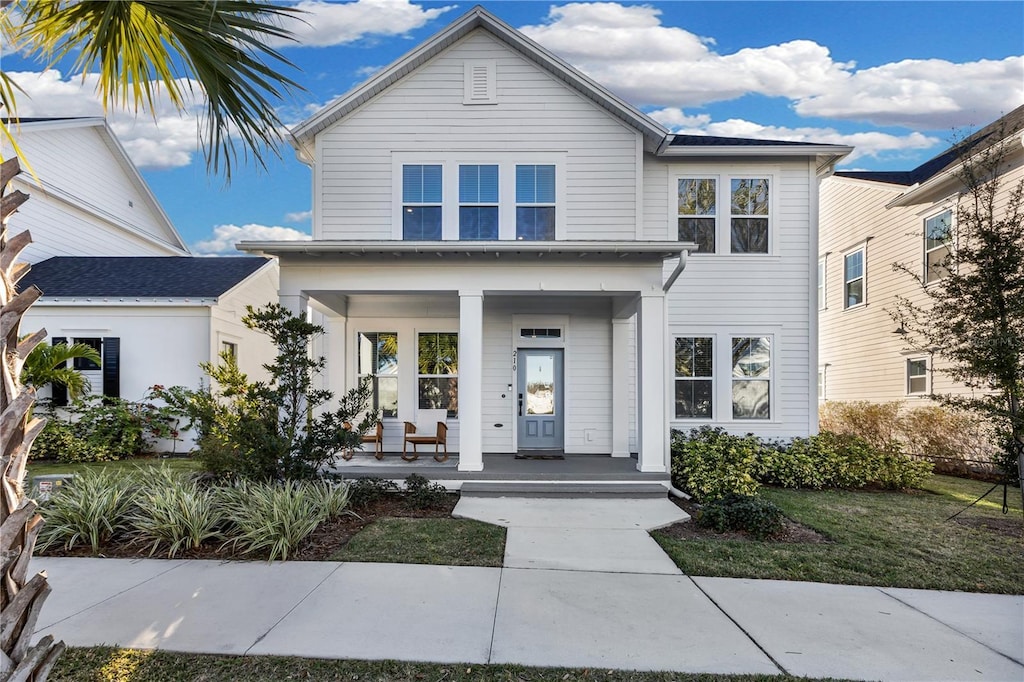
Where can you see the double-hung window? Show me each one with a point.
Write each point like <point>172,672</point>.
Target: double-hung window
<point>821,283</point>
<point>937,233</point>
<point>917,376</point>
<point>478,202</point>
<point>751,377</point>
<point>421,202</point>
<point>378,361</point>
<point>438,376</point>
<point>697,203</point>
<point>853,279</point>
<point>694,380</point>
<point>535,202</point>
<point>748,209</point>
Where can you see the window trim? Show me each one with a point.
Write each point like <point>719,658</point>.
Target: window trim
<point>823,282</point>
<point>723,176</point>
<point>927,375</point>
<point>863,249</point>
<point>419,204</point>
<point>416,387</point>
<point>496,204</point>
<point>397,375</point>
<point>946,244</point>
<point>713,378</point>
<point>506,162</point>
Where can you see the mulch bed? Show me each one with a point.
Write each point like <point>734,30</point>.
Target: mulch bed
<point>792,532</point>
<point>1008,525</point>
<point>322,543</point>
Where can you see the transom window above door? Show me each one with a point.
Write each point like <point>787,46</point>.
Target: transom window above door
<point>479,197</point>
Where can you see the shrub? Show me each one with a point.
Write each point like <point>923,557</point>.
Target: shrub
<point>175,512</point>
<point>422,494</point>
<point>877,423</point>
<point>272,516</point>
<point>366,491</point>
<point>330,498</point>
<point>58,441</point>
<point>711,463</point>
<point>958,442</point>
<point>92,509</point>
<point>755,515</point>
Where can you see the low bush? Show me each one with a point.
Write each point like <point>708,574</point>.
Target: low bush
<point>59,441</point>
<point>957,442</point>
<point>275,517</point>
<point>422,494</point>
<point>92,509</point>
<point>877,423</point>
<point>710,463</point>
<point>366,491</point>
<point>755,515</point>
<point>176,513</point>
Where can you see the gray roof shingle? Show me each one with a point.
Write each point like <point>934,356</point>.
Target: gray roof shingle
<point>139,276</point>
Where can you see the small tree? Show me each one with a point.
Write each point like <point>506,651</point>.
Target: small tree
<point>973,318</point>
<point>273,429</point>
<point>48,364</point>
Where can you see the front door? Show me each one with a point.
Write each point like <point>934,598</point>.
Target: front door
<point>541,400</point>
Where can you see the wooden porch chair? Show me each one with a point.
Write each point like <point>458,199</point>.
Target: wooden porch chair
<point>375,436</point>
<point>430,429</point>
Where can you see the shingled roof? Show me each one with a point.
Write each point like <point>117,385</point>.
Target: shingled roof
<point>139,276</point>
<point>718,141</point>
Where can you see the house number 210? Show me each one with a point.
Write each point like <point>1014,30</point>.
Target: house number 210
<point>514,353</point>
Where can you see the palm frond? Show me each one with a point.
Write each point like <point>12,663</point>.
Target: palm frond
<point>48,364</point>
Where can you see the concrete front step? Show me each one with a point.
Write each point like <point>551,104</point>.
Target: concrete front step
<point>589,490</point>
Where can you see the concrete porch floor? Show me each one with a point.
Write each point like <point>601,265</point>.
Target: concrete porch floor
<point>499,467</point>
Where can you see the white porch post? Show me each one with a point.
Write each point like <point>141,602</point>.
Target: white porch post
<point>620,387</point>
<point>337,355</point>
<point>298,303</point>
<point>471,365</point>
<point>651,394</point>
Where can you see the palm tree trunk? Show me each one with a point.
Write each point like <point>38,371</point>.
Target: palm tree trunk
<point>21,598</point>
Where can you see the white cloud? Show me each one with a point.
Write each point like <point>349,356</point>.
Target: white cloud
<point>225,237</point>
<point>872,143</point>
<point>298,216</point>
<point>629,50</point>
<point>328,23</point>
<point>166,138</point>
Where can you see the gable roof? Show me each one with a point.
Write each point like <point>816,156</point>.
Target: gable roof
<point>118,153</point>
<point>654,133</point>
<point>140,276</point>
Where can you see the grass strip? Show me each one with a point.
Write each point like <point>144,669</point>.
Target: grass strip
<point>441,541</point>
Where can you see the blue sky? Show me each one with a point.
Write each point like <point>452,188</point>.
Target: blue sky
<point>895,79</point>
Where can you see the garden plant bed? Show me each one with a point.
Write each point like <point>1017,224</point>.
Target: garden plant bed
<point>792,531</point>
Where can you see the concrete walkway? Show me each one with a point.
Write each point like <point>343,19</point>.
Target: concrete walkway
<point>593,595</point>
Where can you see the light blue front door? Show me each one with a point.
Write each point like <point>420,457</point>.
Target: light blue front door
<point>541,400</point>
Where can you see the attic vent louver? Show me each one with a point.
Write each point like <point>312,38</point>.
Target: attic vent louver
<point>480,86</point>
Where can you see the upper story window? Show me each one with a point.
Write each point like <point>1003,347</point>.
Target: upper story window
<point>937,234</point>
<point>535,202</point>
<point>821,283</point>
<point>749,215</point>
<point>421,202</point>
<point>478,202</point>
<point>698,208</point>
<point>853,278</point>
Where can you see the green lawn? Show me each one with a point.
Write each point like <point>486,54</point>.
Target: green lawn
<point>879,538</point>
<point>102,664</point>
<point>441,541</point>
<point>182,464</point>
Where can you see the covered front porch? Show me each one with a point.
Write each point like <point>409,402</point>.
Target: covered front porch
<point>560,347</point>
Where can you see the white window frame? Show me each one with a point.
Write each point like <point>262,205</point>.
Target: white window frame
<point>924,243</point>
<point>822,383</point>
<point>723,177</point>
<point>416,360</point>
<point>397,375</point>
<point>400,180</point>
<point>863,249</point>
<point>475,204</point>
<point>713,378</point>
<point>506,162</point>
<point>822,283</point>
<point>927,375</point>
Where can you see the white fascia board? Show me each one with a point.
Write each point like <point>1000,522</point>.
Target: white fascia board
<point>874,184</point>
<point>124,302</point>
<point>271,262</point>
<point>836,151</point>
<point>664,249</point>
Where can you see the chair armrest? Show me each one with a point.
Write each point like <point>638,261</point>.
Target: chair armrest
<point>442,431</point>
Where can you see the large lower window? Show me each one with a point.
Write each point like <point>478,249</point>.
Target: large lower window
<point>694,377</point>
<point>917,376</point>
<point>749,208</point>
<point>698,209</point>
<point>535,202</point>
<point>438,380</point>
<point>421,202</point>
<point>378,360</point>
<point>478,202</point>
<point>751,377</point>
<point>853,277</point>
<point>936,246</point>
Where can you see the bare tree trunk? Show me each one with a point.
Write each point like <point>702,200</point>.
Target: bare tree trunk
<point>21,598</point>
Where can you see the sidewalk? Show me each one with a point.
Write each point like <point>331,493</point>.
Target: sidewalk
<point>634,611</point>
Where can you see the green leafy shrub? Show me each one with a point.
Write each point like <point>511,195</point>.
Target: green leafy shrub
<point>176,513</point>
<point>760,517</point>
<point>366,491</point>
<point>422,494</point>
<point>58,441</point>
<point>710,463</point>
<point>92,509</point>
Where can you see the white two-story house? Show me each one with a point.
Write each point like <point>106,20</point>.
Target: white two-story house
<point>497,235</point>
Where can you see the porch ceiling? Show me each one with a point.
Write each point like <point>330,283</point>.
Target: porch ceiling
<point>509,250</point>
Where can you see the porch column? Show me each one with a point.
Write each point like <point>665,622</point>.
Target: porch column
<point>297,303</point>
<point>651,392</point>
<point>471,366</point>
<point>337,354</point>
<point>620,387</point>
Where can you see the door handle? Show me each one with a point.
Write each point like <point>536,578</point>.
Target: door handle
<point>520,404</point>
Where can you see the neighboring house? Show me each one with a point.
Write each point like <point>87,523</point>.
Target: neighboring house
<point>870,221</point>
<point>115,273</point>
<point>497,235</point>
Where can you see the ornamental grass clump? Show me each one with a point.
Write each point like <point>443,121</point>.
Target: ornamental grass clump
<point>176,513</point>
<point>92,509</point>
